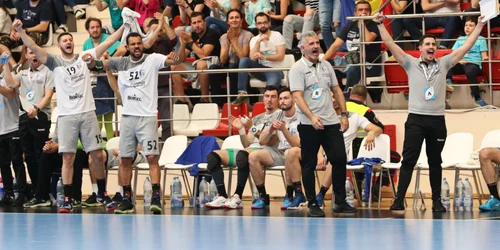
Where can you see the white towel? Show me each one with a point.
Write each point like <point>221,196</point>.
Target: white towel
<point>131,25</point>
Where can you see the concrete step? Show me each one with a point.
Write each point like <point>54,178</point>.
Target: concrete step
<point>93,12</point>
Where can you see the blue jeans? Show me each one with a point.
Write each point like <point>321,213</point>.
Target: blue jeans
<point>353,76</point>
<point>217,25</point>
<point>412,25</point>
<point>329,11</point>
<point>60,11</point>
<point>217,79</point>
<point>451,25</point>
<point>271,78</point>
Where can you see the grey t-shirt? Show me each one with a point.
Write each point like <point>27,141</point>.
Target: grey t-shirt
<point>9,111</point>
<point>316,83</point>
<point>34,84</point>
<point>418,84</point>
<point>260,122</point>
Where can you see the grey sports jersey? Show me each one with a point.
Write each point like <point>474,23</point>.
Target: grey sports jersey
<point>260,122</point>
<point>9,112</point>
<point>34,84</point>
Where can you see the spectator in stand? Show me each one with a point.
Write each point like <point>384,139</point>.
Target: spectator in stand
<point>187,8</point>
<point>451,24</point>
<point>146,8</point>
<point>296,23</point>
<point>5,21</point>
<point>329,19</point>
<point>234,45</point>
<point>36,16</point>
<point>399,25</point>
<point>280,9</point>
<point>61,19</point>
<point>206,47</point>
<point>115,11</point>
<point>162,41</point>
<point>252,8</point>
<point>218,19</point>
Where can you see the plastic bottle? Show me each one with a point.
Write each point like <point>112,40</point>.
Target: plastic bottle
<point>467,195</point>
<point>60,193</point>
<point>1,189</point>
<point>349,191</point>
<point>148,192</point>
<point>445,194</point>
<point>203,190</point>
<point>176,193</point>
<point>213,190</point>
<point>459,195</point>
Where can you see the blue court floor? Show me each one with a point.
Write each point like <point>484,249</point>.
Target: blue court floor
<point>40,231</point>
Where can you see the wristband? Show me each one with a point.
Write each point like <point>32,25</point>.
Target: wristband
<point>37,109</point>
<point>189,45</point>
<point>345,114</point>
<point>242,131</point>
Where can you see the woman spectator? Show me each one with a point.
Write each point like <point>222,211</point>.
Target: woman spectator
<point>218,19</point>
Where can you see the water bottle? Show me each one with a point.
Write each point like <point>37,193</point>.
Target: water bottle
<point>148,192</point>
<point>445,194</point>
<point>203,190</point>
<point>459,195</point>
<point>213,190</point>
<point>60,193</point>
<point>467,195</point>
<point>1,188</point>
<point>176,193</point>
<point>349,191</point>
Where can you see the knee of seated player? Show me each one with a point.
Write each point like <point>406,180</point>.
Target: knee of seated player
<point>242,159</point>
<point>293,154</point>
<point>201,65</point>
<point>254,158</point>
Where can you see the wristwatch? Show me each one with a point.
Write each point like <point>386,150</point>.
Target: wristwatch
<point>345,114</point>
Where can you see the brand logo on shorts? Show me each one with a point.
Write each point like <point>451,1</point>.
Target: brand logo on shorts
<point>134,98</point>
<point>75,96</point>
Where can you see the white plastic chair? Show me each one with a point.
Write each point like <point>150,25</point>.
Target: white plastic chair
<point>382,150</point>
<point>205,116</point>
<point>288,61</point>
<point>180,117</point>
<point>233,141</point>
<point>173,147</point>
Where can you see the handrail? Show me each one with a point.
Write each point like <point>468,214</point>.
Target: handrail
<point>419,15</point>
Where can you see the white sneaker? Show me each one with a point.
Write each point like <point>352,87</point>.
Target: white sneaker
<point>62,29</point>
<point>79,13</point>
<point>234,202</point>
<point>218,202</point>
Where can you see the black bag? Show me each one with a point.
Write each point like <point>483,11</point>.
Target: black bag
<point>352,57</point>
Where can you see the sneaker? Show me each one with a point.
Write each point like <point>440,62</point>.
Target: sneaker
<point>218,202</point>
<point>320,199</point>
<point>155,205</point>
<point>62,29</point>
<point>344,208</point>
<point>437,206</point>
<point>242,97</point>
<point>126,207</point>
<point>76,203</point>
<point>181,102</point>
<point>261,203</point>
<point>91,201</point>
<point>397,205</point>
<point>79,13</point>
<point>481,102</point>
<point>315,211</point>
<point>6,200</point>
<point>234,202</point>
<point>112,206</point>
<point>66,207</point>
<point>117,198</point>
<point>286,203</point>
<point>493,204</point>
<point>103,200</point>
<point>298,201</point>
<point>19,201</point>
<point>33,203</point>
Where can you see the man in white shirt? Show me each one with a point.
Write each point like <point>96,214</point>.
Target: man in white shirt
<point>77,116</point>
<point>267,50</point>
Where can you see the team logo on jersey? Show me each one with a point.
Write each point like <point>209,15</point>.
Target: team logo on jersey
<point>134,98</point>
<point>75,96</point>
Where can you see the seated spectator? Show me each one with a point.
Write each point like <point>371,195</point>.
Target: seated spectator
<point>115,11</point>
<point>307,23</point>
<point>36,18</point>
<point>5,21</point>
<point>350,35</point>
<point>187,8</point>
<point>329,19</point>
<point>470,65</point>
<point>451,24</point>
<point>252,8</point>
<point>399,25</point>
<point>61,19</point>
<point>267,50</point>
<point>203,42</point>
<point>280,9</point>
<point>146,8</point>
<point>488,158</point>
<point>218,19</point>
<point>234,45</point>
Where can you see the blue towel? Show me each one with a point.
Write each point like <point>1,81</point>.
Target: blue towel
<point>197,152</point>
<point>368,164</point>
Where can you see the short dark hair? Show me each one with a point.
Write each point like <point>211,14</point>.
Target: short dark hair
<point>262,14</point>
<point>133,34</point>
<point>92,19</point>
<point>363,2</point>
<point>284,89</point>
<point>359,90</point>
<point>152,22</point>
<point>471,19</point>
<point>63,34</point>
<point>421,40</point>
<point>271,88</point>
<point>234,10</point>
<point>196,13</point>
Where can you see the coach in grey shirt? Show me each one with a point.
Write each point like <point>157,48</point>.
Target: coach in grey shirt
<point>312,82</point>
<point>427,83</point>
